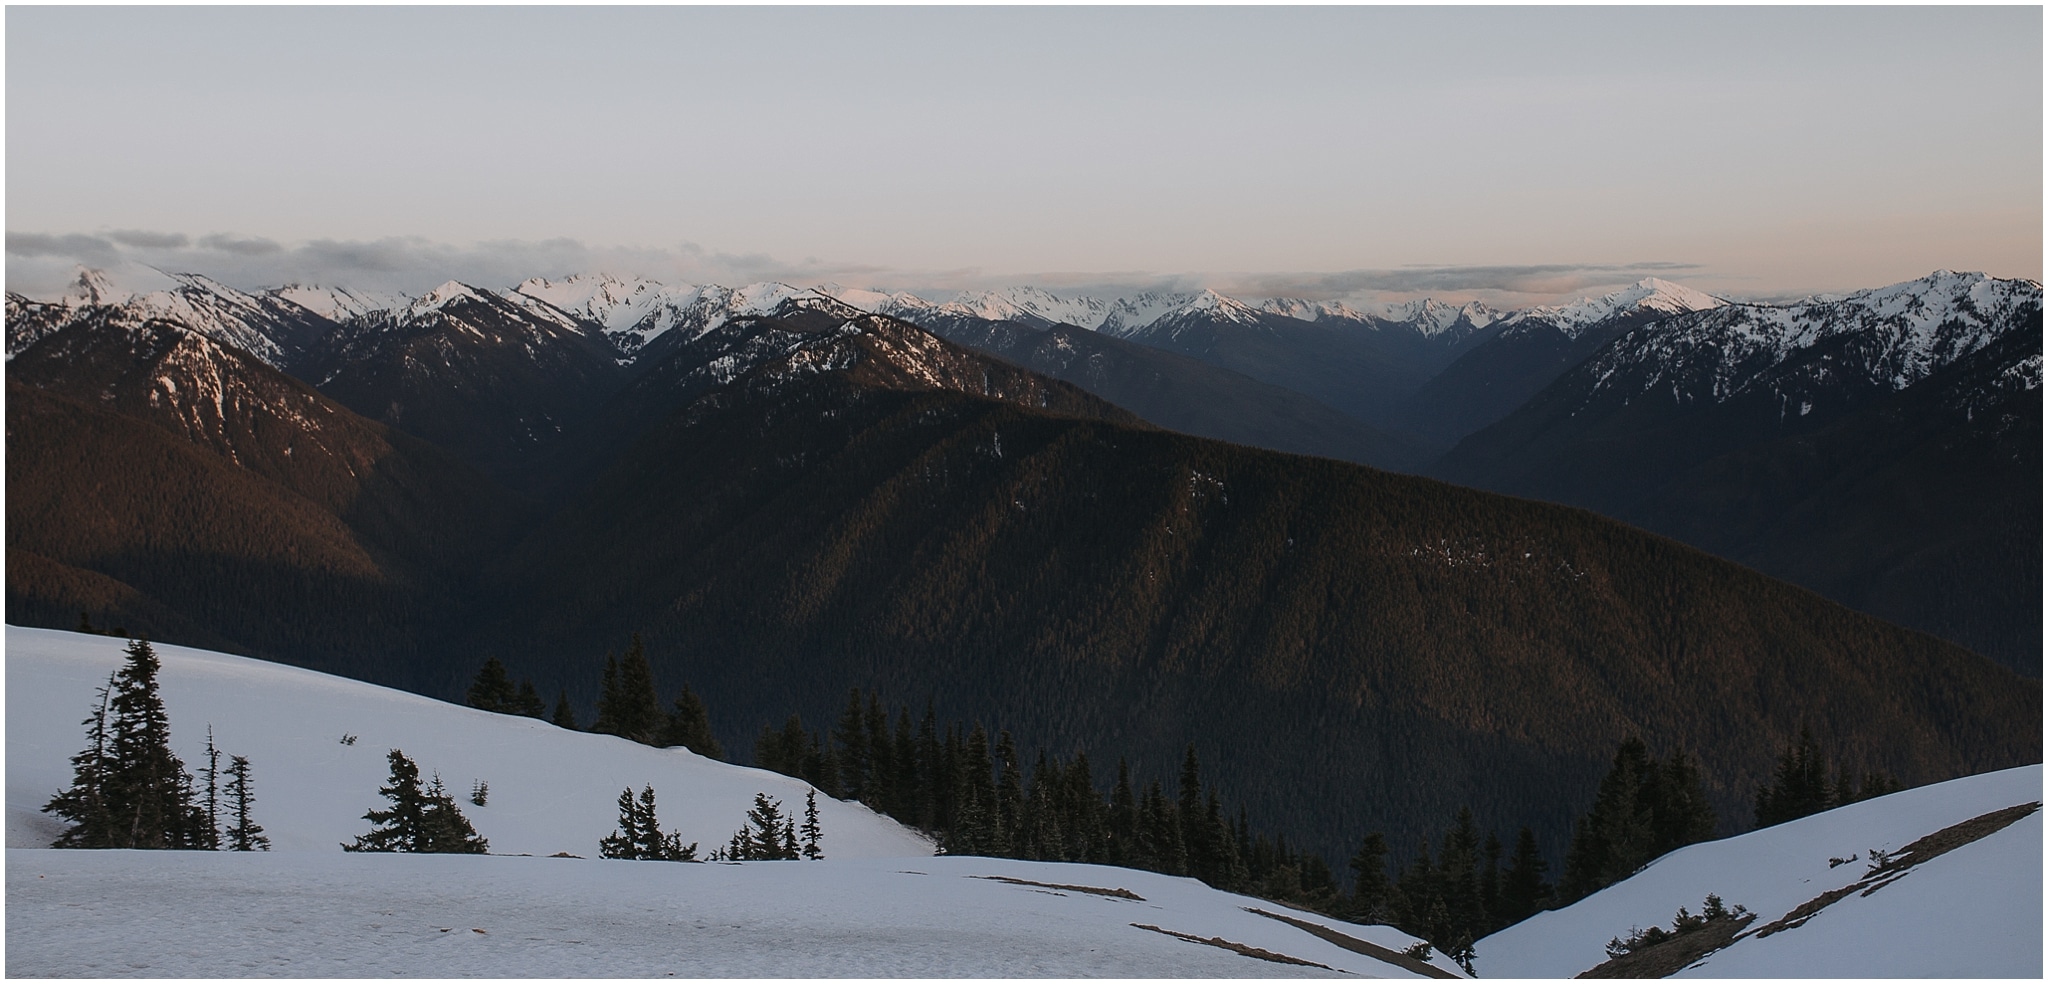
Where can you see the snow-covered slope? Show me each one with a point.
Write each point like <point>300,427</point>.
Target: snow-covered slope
<point>1972,912</point>
<point>1891,337</point>
<point>879,905</point>
<point>338,303</point>
<point>550,790</point>
<point>1650,296</point>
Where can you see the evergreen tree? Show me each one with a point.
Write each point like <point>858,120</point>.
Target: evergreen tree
<point>85,803</point>
<point>419,820</point>
<point>852,739</point>
<point>1489,883</point>
<point>444,829</point>
<point>493,690</point>
<point>623,843</point>
<point>1523,892</point>
<point>689,725</point>
<point>608,699</point>
<point>528,703</point>
<point>1799,787</point>
<point>1460,873</point>
<point>635,712</point>
<point>1123,820</point>
<point>1370,902</point>
<point>246,834</point>
<point>401,827</point>
<point>1009,805</point>
<point>146,789</point>
<point>767,836</point>
<point>565,716</point>
<point>212,806</point>
<point>1193,833</point>
<point>813,834</point>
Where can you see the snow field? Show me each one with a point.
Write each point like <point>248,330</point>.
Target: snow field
<point>1972,912</point>
<point>879,906</point>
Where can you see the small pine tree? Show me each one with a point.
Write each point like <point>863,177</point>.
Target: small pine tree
<point>565,716</point>
<point>623,843</point>
<point>689,725</point>
<point>631,709</point>
<point>528,703</point>
<point>767,836</point>
<point>246,834</point>
<point>212,792</point>
<point>85,803</point>
<point>400,827</point>
<point>446,830</point>
<point>492,689</point>
<point>813,835</point>
<point>1523,892</point>
<point>144,789</point>
<point>420,820</point>
<point>1370,902</point>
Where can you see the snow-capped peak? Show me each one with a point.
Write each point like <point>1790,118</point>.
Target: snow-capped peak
<point>1432,317</point>
<point>442,296</point>
<point>92,288</point>
<point>337,303</point>
<point>614,302</point>
<point>1650,294</point>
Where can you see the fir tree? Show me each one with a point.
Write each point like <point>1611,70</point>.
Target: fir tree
<point>565,716</point>
<point>528,703</point>
<point>401,827</point>
<point>813,835</point>
<point>1799,787</point>
<point>445,830</point>
<point>492,690</point>
<point>85,803</point>
<point>689,725</point>
<point>1523,892</point>
<point>1370,902</point>
<point>636,713</point>
<point>608,700</point>
<point>212,793</point>
<point>767,836</point>
<point>246,834</point>
<point>851,738</point>
<point>147,792</point>
<point>623,843</point>
<point>419,820</point>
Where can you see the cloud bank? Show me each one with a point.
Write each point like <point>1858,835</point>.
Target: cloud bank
<point>42,264</point>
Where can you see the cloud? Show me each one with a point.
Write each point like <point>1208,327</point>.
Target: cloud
<point>145,239</point>
<point>42,264</point>
<point>1548,280</point>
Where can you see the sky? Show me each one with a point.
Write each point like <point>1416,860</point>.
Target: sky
<point>1513,155</point>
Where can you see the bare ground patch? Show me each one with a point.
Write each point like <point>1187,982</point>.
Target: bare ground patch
<point>1114,893</point>
<point>1249,951</point>
<point>1356,945</point>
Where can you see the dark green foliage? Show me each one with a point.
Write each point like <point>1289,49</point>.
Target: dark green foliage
<point>425,821</point>
<point>528,702</point>
<point>493,689</point>
<point>1683,922</point>
<point>689,725</point>
<point>129,790</point>
<point>767,836</point>
<point>565,715</point>
<point>627,706</point>
<point>1523,891</point>
<point>211,804</point>
<point>639,837</point>
<point>1799,787</point>
<point>1371,892</point>
<point>85,803</point>
<point>1644,809</point>
<point>814,835</point>
<point>245,834</point>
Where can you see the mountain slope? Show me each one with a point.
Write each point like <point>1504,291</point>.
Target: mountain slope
<point>1305,622</point>
<point>1180,393</point>
<point>1883,448</point>
<point>494,381</point>
<point>1530,349</point>
<point>1974,911</point>
<point>152,471</point>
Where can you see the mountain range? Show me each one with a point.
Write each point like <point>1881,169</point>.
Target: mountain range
<point>789,492</point>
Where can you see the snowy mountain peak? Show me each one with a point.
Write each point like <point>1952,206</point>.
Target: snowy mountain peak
<point>614,302</point>
<point>92,288</point>
<point>337,303</point>
<point>1651,294</point>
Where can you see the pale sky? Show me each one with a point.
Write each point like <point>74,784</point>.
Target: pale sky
<point>1516,155</point>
